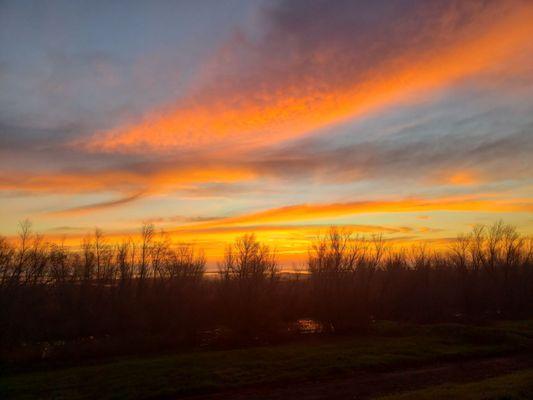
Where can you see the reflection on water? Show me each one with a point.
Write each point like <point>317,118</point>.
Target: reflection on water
<point>303,326</point>
<point>212,336</point>
<point>219,336</point>
<point>308,325</point>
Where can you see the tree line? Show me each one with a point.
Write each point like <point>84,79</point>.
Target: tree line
<point>151,289</point>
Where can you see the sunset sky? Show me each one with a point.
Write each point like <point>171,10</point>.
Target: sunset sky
<point>211,119</point>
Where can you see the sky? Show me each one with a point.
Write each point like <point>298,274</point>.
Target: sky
<point>211,119</point>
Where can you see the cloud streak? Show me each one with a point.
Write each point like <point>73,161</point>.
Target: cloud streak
<point>452,160</point>
<point>314,212</point>
<point>253,104</point>
<point>147,178</point>
<point>88,208</point>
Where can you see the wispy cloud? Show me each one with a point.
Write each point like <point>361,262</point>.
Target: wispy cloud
<point>311,229</point>
<point>96,206</point>
<point>146,178</point>
<point>314,212</point>
<point>322,81</point>
<point>443,160</point>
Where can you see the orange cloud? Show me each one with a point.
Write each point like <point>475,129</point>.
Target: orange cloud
<point>291,229</point>
<point>463,178</point>
<point>273,115</point>
<point>459,178</point>
<point>158,180</point>
<point>258,229</point>
<point>310,212</point>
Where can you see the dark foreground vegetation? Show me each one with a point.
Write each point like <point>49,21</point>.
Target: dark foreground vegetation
<point>93,322</point>
<point>438,361</point>
<point>61,305</point>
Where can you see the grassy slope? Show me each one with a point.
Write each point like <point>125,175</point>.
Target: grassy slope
<point>205,371</point>
<point>516,386</point>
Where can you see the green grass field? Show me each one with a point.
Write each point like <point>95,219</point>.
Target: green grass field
<point>391,345</point>
<point>516,386</point>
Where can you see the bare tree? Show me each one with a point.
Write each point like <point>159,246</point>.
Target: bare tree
<point>249,274</point>
<point>147,235</point>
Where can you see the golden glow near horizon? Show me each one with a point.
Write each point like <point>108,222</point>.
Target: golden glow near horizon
<point>280,120</point>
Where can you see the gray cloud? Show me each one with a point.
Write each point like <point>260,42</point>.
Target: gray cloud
<point>98,206</point>
<point>498,157</point>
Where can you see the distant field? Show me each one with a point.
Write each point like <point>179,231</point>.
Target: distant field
<point>390,347</point>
